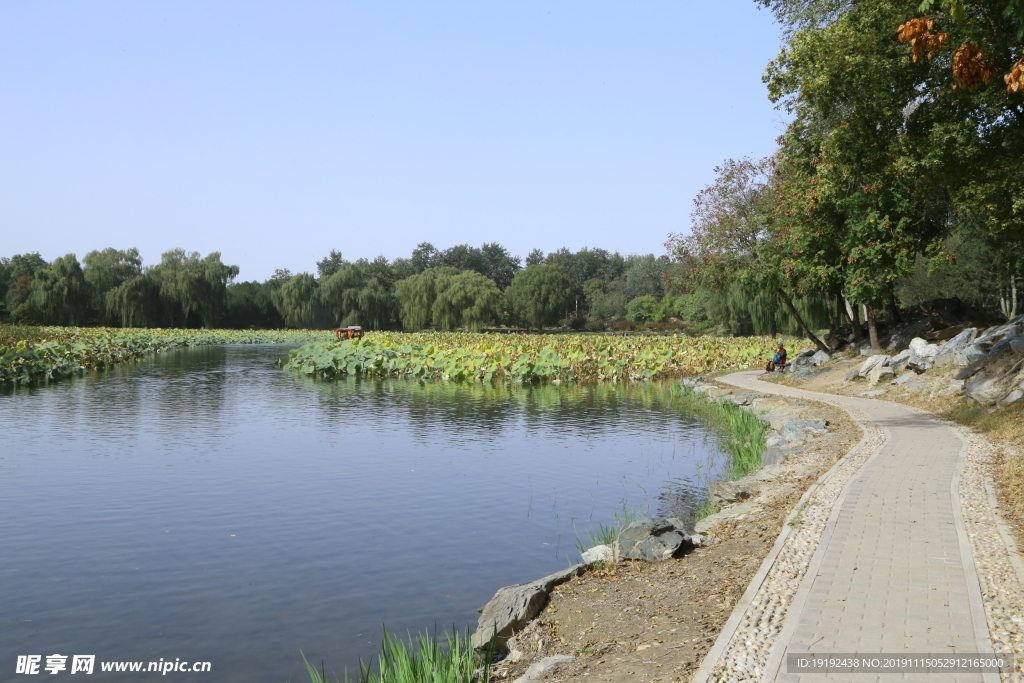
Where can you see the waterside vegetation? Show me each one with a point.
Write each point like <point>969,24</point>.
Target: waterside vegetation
<point>424,658</point>
<point>525,358</point>
<point>39,354</point>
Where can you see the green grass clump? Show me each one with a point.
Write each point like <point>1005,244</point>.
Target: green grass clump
<point>425,658</point>
<point>743,432</point>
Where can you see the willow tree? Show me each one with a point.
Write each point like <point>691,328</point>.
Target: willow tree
<point>539,294</point>
<point>192,287</point>
<point>134,302</point>
<point>106,270</point>
<point>355,296</point>
<point>466,300</point>
<point>60,294</point>
<point>298,302</point>
<point>416,295</point>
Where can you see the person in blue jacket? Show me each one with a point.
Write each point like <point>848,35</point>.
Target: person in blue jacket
<point>778,360</point>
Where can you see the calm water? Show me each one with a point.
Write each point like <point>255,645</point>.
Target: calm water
<point>208,506</point>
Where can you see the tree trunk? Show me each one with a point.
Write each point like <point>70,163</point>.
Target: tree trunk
<point>876,348</point>
<point>894,308</point>
<point>830,310</point>
<point>803,325</point>
<point>848,313</point>
<point>1008,303</point>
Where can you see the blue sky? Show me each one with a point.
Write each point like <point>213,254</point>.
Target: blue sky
<point>274,132</point>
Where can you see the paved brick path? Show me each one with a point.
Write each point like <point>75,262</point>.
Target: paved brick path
<point>894,572</point>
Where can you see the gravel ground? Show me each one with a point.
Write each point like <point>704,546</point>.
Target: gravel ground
<point>995,556</point>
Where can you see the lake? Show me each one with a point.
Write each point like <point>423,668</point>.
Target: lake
<point>207,506</point>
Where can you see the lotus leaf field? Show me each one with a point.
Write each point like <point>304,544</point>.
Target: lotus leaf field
<point>526,358</point>
<point>38,354</point>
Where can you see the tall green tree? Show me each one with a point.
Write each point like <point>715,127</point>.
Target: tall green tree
<point>538,295</point>
<point>16,276</point>
<point>466,299</point>
<point>359,294</point>
<point>330,264</point>
<point>60,294</point>
<point>299,303</point>
<point>416,296</point>
<point>733,245</point>
<point>106,270</point>
<point>134,302</point>
<point>193,289</point>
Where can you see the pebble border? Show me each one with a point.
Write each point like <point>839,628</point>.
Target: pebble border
<point>996,559</point>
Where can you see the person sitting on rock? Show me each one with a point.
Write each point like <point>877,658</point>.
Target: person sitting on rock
<point>778,360</point>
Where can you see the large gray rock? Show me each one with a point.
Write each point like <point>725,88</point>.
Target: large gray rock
<point>878,373</point>
<point>899,361</point>
<point>918,364</point>
<point>725,492</point>
<point>1007,330</point>
<point>970,353</point>
<point>901,338</point>
<point>1004,345</point>
<point>852,375</point>
<point>968,370</point>
<point>599,553</point>
<point>872,362</point>
<point>920,347</point>
<point>904,378</point>
<point>653,540</point>
<point>513,607</point>
<point>799,431</point>
<point>535,673</point>
<point>773,455</point>
<point>1012,397</point>
<point>744,398</point>
<point>983,389</point>
<point>947,352</point>
<point>1017,344</point>
<point>820,357</point>
<point>777,419</point>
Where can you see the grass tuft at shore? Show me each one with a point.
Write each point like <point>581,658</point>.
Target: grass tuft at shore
<point>425,658</point>
<point>743,432</point>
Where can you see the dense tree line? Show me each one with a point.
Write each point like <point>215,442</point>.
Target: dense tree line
<point>901,176</point>
<point>462,287</point>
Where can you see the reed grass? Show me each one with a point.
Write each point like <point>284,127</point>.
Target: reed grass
<point>608,534</point>
<point>424,658</point>
<point>741,433</point>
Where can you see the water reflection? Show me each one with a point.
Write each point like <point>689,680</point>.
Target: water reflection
<point>206,505</point>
